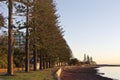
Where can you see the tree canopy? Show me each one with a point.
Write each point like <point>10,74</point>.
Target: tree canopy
<point>44,36</point>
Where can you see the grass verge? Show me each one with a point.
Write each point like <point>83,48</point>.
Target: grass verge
<point>48,74</point>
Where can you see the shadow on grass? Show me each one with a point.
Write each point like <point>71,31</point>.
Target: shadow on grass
<point>2,75</point>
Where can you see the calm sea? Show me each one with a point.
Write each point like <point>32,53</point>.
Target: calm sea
<point>111,72</point>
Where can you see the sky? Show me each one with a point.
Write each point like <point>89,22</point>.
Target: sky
<point>92,27</point>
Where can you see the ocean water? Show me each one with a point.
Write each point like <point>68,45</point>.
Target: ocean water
<point>111,72</point>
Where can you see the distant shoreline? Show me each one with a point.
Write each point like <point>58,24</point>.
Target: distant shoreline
<point>82,73</point>
<point>101,65</point>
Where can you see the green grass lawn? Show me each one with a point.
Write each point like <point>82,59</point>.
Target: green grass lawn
<point>48,74</point>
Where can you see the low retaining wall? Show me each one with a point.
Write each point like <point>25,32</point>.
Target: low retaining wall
<point>58,73</point>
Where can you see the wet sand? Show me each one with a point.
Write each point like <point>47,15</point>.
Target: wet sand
<point>79,73</point>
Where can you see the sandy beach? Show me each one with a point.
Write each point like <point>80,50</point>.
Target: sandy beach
<point>79,73</point>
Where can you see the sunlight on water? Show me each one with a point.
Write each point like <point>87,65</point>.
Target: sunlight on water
<point>111,72</point>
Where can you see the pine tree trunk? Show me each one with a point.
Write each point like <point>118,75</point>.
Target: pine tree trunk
<point>27,40</point>
<point>35,49</point>
<point>49,63</point>
<point>44,65</point>
<point>10,41</point>
<point>35,58</point>
<point>41,60</point>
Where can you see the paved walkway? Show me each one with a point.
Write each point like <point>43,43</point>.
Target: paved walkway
<point>81,74</point>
